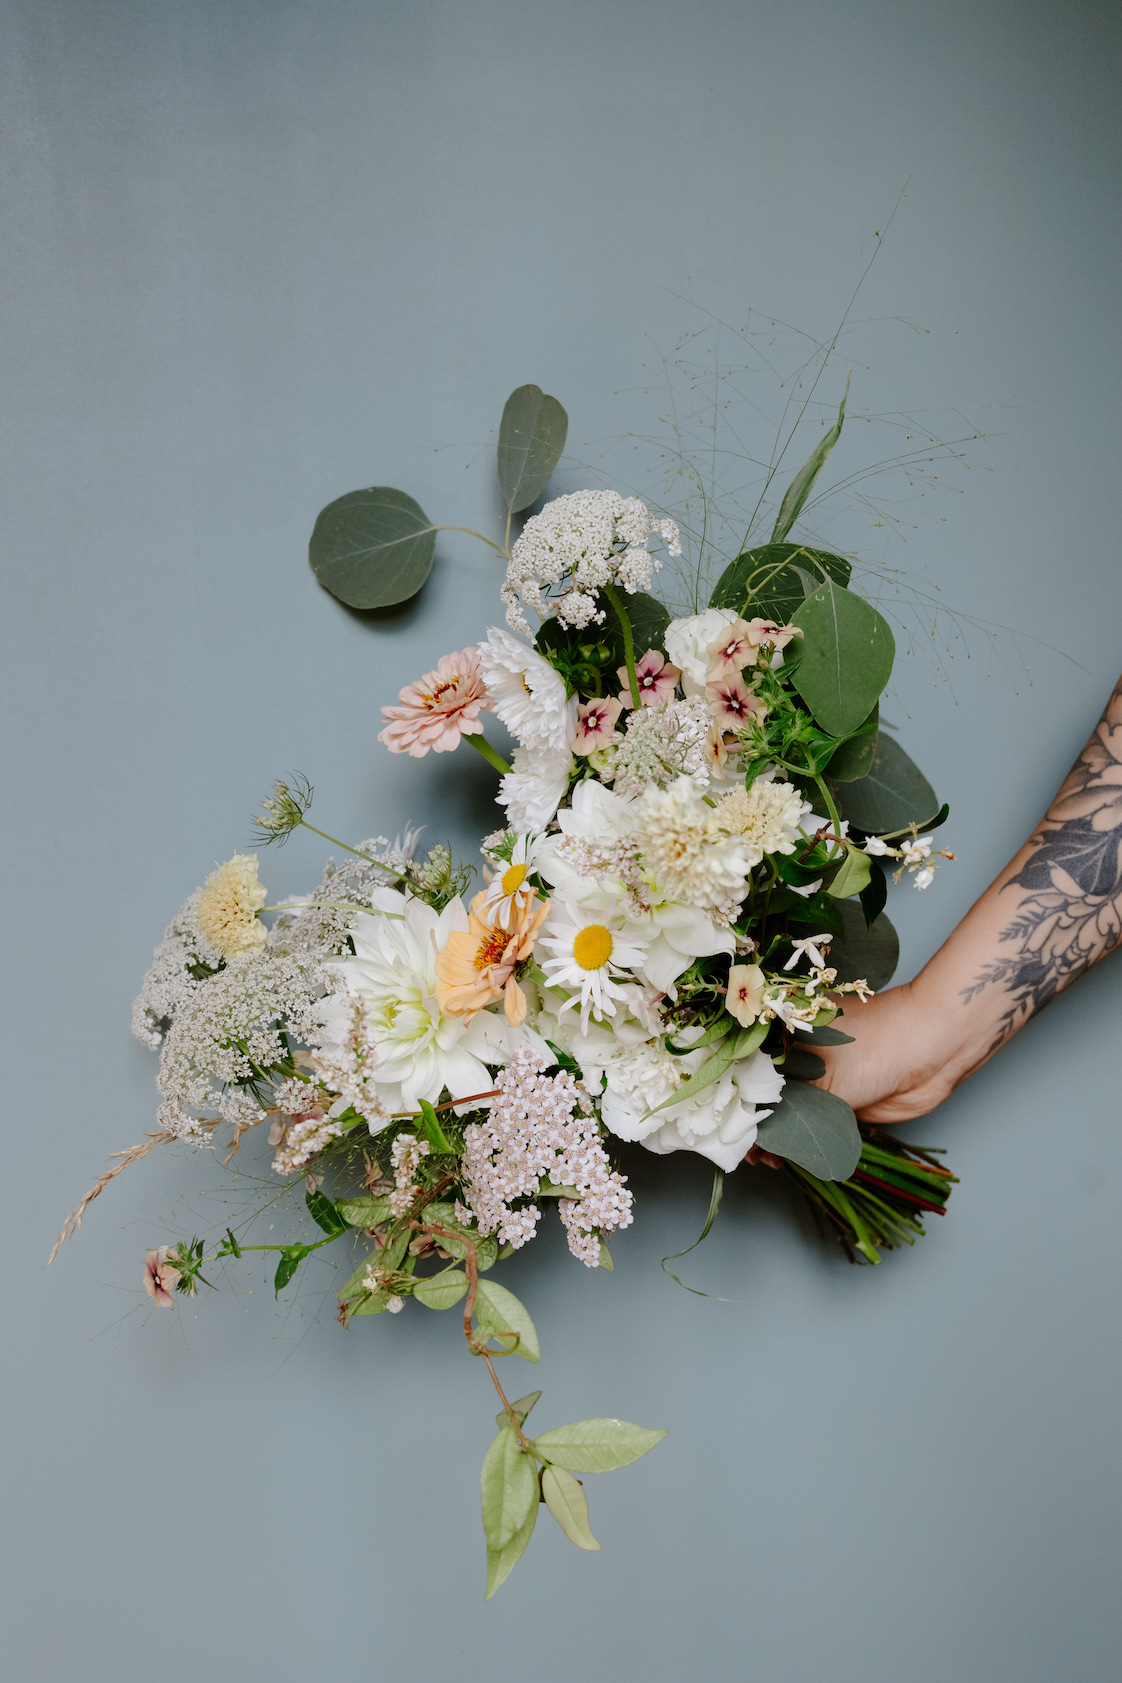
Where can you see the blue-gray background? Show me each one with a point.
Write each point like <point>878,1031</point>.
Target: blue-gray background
<point>256,253</point>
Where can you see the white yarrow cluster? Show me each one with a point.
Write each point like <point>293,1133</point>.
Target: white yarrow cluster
<point>535,1131</point>
<point>581,543</point>
<point>305,1139</point>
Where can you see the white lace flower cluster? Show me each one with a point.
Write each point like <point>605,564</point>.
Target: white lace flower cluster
<point>174,975</point>
<point>673,740</point>
<point>405,1154</point>
<point>582,542</point>
<point>349,1065</point>
<point>226,1032</point>
<point>541,1128</point>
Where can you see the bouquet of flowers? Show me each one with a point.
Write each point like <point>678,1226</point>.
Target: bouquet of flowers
<point>680,900</point>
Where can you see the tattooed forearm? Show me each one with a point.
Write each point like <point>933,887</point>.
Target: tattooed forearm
<point>1070,909</point>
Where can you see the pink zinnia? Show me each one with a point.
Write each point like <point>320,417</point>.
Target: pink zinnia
<point>656,679</point>
<point>160,1278</point>
<point>596,724</point>
<point>732,703</point>
<point>438,709</point>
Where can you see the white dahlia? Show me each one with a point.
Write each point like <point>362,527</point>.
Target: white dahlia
<point>767,818</point>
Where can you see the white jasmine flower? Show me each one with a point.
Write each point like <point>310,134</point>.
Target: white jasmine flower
<point>590,951</point>
<point>877,848</point>
<point>534,788</point>
<point>420,1051</point>
<point>228,906</point>
<point>528,695</point>
<point>768,818</point>
<point>925,878</point>
<point>580,543</point>
<point>692,861</point>
<point>688,642</point>
<point>810,949</point>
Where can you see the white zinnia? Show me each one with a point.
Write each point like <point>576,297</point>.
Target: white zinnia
<point>690,860</point>
<point>534,788</point>
<point>528,695</point>
<point>687,643</point>
<point>393,972</point>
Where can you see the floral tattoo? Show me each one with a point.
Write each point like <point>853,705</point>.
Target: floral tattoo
<point>1072,913</point>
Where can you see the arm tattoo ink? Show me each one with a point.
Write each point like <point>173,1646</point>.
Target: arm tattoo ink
<point>1072,912</point>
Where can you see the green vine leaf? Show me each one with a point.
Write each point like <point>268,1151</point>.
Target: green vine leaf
<point>501,1562</point>
<point>441,1291</point>
<point>566,1501</point>
<point>501,1316</point>
<point>596,1446</point>
<point>508,1489</point>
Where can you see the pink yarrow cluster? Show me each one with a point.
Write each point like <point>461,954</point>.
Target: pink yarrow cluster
<point>534,1132</point>
<point>439,708</point>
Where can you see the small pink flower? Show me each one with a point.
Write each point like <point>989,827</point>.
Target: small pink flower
<point>732,703</point>
<point>439,708</point>
<point>741,643</point>
<point>656,678</point>
<point>596,724</point>
<point>160,1278</point>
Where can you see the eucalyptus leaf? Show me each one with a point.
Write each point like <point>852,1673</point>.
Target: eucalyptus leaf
<point>853,875</point>
<point>893,794</point>
<point>874,894</point>
<point>865,953</point>
<point>764,582</point>
<point>799,489</point>
<point>566,1501</point>
<point>441,1291</point>
<point>847,654</point>
<point>373,548</point>
<point>508,1488</point>
<point>501,1562</point>
<point>855,756</point>
<point>825,1036</point>
<point>596,1446</point>
<point>531,438</point>
<point>648,617</point>
<point>801,1064</point>
<point>501,1316</point>
<point>815,1129</point>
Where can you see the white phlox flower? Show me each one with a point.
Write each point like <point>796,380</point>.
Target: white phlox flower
<point>528,694</point>
<point>535,786</point>
<point>420,1051</point>
<point>590,951</point>
<point>579,543</point>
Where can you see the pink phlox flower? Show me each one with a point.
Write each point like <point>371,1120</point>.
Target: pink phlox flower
<point>160,1278</point>
<point>732,703</point>
<point>439,708</point>
<point>596,724</point>
<point>740,645</point>
<point>656,679</point>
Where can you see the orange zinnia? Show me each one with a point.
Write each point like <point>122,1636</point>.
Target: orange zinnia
<point>477,965</point>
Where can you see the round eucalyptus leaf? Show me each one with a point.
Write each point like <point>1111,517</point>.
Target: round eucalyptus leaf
<point>864,953</point>
<point>373,548</point>
<point>763,582</point>
<point>815,1129</point>
<point>532,436</point>
<point>892,794</point>
<point>847,654</point>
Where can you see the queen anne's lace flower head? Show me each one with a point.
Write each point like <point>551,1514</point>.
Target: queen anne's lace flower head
<point>577,545</point>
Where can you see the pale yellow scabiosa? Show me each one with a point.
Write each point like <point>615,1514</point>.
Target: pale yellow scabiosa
<point>227,912</point>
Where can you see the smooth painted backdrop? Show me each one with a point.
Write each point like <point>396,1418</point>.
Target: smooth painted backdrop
<point>257,254</point>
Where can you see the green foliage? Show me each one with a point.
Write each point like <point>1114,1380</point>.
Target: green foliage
<point>521,1408</point>
<point>444,1215</point>
<point>364,1212</point>
<point>502,1317</point>
<point>893,794</point>
<point>799,489</point>
<point>874,894</point>
<point>711,1216</point>
<point>649,620</point>
<point>883,1204</point>
<point>766,582</point>
<point>501,1562</point>
<point>740,1043</point>
<point>847,654</point>
<point>325,1215</point>
<point>855,756</point>
<point>441,1291</point>
<point>373,548</point>
<point>865,953</point>
<point>508,1487</point>
<point>852,875</point>
<point>596,1446</point>
<point>815,1129</point>
<point>564,1497</point>
<point>531,438</point>
<point>429,1129</point>
<point>290,1259</point>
